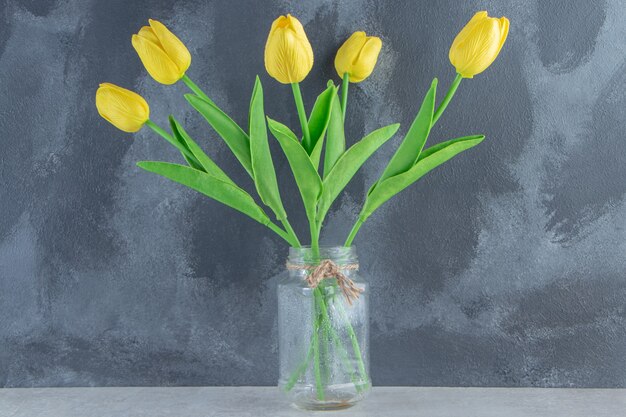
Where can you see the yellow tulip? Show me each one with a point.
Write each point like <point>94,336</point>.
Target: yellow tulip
<point>478,44</point>
<point>358,56</point>
<point>288,53</point>
<point>165,57</point>
<point>124,109</point>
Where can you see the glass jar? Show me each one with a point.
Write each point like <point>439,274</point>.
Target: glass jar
<point>323,334</point>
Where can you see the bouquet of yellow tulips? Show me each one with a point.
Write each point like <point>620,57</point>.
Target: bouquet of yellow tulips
<point>321,161</point>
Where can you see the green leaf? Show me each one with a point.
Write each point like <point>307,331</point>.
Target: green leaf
<point>335,137</point>
<point>316,155</point>
<point>178,143</point>
<point>262,165</point>
<point>233,135</point>
<point>305,174</point>
<point>410,148</point>
<point>349,163</point>
<point>318,122</point>
<point>205,163</point>
<point>430,159</point>
<point>193,163</point>
<point>219,190</point>
<point>186,153</point>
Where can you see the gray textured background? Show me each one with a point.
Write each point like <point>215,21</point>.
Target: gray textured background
<point>505,267</point>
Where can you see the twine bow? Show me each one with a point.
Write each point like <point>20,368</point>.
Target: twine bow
<point>329,269</point>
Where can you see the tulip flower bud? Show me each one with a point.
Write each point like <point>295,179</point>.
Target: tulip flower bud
<point>165,57</point>
<point>288,53</point>
<point>478,44</point>
<point>124,109</point>
<point>358,56</point>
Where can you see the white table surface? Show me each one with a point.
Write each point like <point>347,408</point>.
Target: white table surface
<point>267,401</point>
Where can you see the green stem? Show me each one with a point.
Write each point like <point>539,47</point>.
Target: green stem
<point>338,343</point>
<point>343,354</point>
<point>297,95</point>
<point>353,232</point>
<point>292,234</point>
<point>316,303</point>
<point>193,87</point>
<point>301,368</point>
<point>355,343</point>
<point>447,98</point>
<point>316,351</point>
<point>344,94</point>
<point>315,238</point>
<point>324,342</point>
<point>286,236</point>
<point>328,330</point>
<point>320,307</point>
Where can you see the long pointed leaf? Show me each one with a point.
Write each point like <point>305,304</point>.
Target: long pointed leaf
<point>191,159</point>
<point>262,165</point>
<point>349,163</point>
<point>407,153</point>
<point>432,158</point>
<point>318,122</point>
<point>210,186</point>
<point>236,139</point>
<point>305,174</point>
<point>193,163</point>
<point>205,163</point>
<point>316,155</point>
<point>335,137</point>
<point>180,144</point>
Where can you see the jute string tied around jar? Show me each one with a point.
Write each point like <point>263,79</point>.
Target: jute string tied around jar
<point>329,269</point>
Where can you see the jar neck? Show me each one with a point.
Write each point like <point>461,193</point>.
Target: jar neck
<point>305,255</point>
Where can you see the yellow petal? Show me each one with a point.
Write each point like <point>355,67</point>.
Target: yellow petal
<point>290,22</point>
<point>366,60</point>
<point>304,52</point>
<point>173,47</point>
<point>157,62</point>
<point>147,33</point>
<point>357,56</point>
<point>504,31</point>
<point>476,19</point>
<point>348,52</point>
<point>478,44</point>
<point>288,53</point>
<point>126,110</point>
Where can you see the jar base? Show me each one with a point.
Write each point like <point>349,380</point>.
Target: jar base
<point>336,397</point>
<point>325,405</point>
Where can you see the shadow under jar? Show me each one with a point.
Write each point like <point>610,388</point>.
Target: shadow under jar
<point>323,334</point>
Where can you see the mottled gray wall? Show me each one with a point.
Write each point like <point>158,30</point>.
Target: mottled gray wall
<point>505,267</point>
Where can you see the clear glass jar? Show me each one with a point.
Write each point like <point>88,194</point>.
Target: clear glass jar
<point>323,337</point>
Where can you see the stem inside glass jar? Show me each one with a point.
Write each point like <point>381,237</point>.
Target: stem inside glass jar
<point>322,336</point>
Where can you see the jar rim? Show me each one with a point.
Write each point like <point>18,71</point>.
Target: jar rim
<point>338,254</point>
